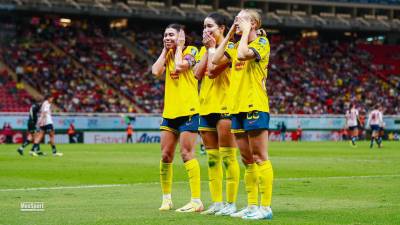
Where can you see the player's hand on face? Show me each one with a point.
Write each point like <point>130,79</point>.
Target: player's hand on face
<point>232,30</point>
<point>181,38</point>
<point>205,38</point>
<point>208,40</point>
<point>244,23</point>
<point>213,42</point>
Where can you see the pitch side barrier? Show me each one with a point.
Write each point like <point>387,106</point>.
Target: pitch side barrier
<point>110,127</point>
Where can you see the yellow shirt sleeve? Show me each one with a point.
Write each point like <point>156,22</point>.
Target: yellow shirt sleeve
<point>260,48</point>
<point>229,50</point>
<point>203,51</point>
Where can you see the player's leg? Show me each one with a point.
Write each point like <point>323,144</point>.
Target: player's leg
<point>228,150</point>
<point>258,140</point>
<point>187,142</point>
<point>209,136</point>
<point>251,169</point>
<point>353,135</point>
<point>373,135</point>
<point>380,136</point>
<point>257,125</point>
<point>27,141</point>
<point>169,140</point>
<point>214,165</point>
<point>51,133</point>
<point>250,175</point>
<point>35,151</point>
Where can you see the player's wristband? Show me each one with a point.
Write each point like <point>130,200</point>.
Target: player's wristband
<point>211,50</point>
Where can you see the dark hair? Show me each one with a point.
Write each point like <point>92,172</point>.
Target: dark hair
<point>46,97</point>
<point>219,19</point>
<point>177,27</point>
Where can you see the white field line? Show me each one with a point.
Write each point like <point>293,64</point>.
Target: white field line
<point>182,182</point>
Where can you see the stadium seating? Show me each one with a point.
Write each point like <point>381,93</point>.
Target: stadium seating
<point>51,72</point>
<point>12,97</point>
<point>306,75</point>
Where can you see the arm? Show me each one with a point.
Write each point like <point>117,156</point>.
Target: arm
<point>180,63</point>
<point>158,67</point>
<point>200,68</point>
<point>219,58</point>
<point>215,70</point>
<point>244,53</point>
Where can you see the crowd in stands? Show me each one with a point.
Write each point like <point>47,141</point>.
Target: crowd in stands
<point>115,64</point>
<point>51,72</point>
<point>13,97</point>
<point>306,75</point>
<point>313,76</point>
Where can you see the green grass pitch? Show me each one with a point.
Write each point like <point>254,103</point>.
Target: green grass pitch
<point>315,183</point>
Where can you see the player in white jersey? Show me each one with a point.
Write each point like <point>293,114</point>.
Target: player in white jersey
<point>375,121</point>
<point>45,123</point>
<point>352,123</point>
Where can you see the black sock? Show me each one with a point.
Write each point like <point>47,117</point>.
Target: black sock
<point>26,143</point>
<point>372,142</point>
<point>53,149</point>
<point>35,148</point>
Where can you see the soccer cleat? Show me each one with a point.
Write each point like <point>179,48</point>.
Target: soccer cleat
<point>229,209</point>
<point>254,213</point>
<point>214,209</point>
<point>58,154</point>
<point>166,205</point>
<point>191,207</point>
<point>261,213</point>
<point>242,212</point>
<point>39,153</point>
<point>20,150</point>
<point>267,212</point>
<point>34,154</point>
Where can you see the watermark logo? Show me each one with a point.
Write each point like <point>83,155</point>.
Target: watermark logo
<point>32,206</point>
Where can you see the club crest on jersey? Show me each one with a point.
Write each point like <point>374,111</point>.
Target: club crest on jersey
<point>240,65</point>
<point>193,51</point>
<point>262,41</point>
<point>231,45</point>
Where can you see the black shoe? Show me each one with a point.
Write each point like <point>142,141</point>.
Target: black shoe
<point>20,151</point>
<point>41,153</point>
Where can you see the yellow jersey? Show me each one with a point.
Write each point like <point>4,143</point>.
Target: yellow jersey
<point>247,88</point>
<point>214,92</point>
<point>181,89</point>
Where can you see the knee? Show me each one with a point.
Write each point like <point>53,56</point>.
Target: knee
<point>167,157</point>
<point>247,160</point>
<point>186,154</point>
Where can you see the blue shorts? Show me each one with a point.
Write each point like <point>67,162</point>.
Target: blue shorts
<point>209,122</point>
<point>47,128</point>
<point>353,128</point>
<point>181,124</point>
<point>254,120</point>
<point>375,127</point>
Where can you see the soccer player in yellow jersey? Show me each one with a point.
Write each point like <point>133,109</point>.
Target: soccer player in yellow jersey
<point>215,123</point>
<point>180,115</point>
<point>250,109</point>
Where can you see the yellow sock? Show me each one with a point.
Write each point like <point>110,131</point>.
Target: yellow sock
<point>266,180</point>
<point>166,177</point>
<point>193,169</point>
<point>231,163</point>
<point>215,174</point>
<point>251,183</point>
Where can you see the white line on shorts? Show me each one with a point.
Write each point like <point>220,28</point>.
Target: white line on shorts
<point>90,186</point>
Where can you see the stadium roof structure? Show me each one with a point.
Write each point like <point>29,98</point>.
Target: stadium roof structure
<point>363,15</point>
